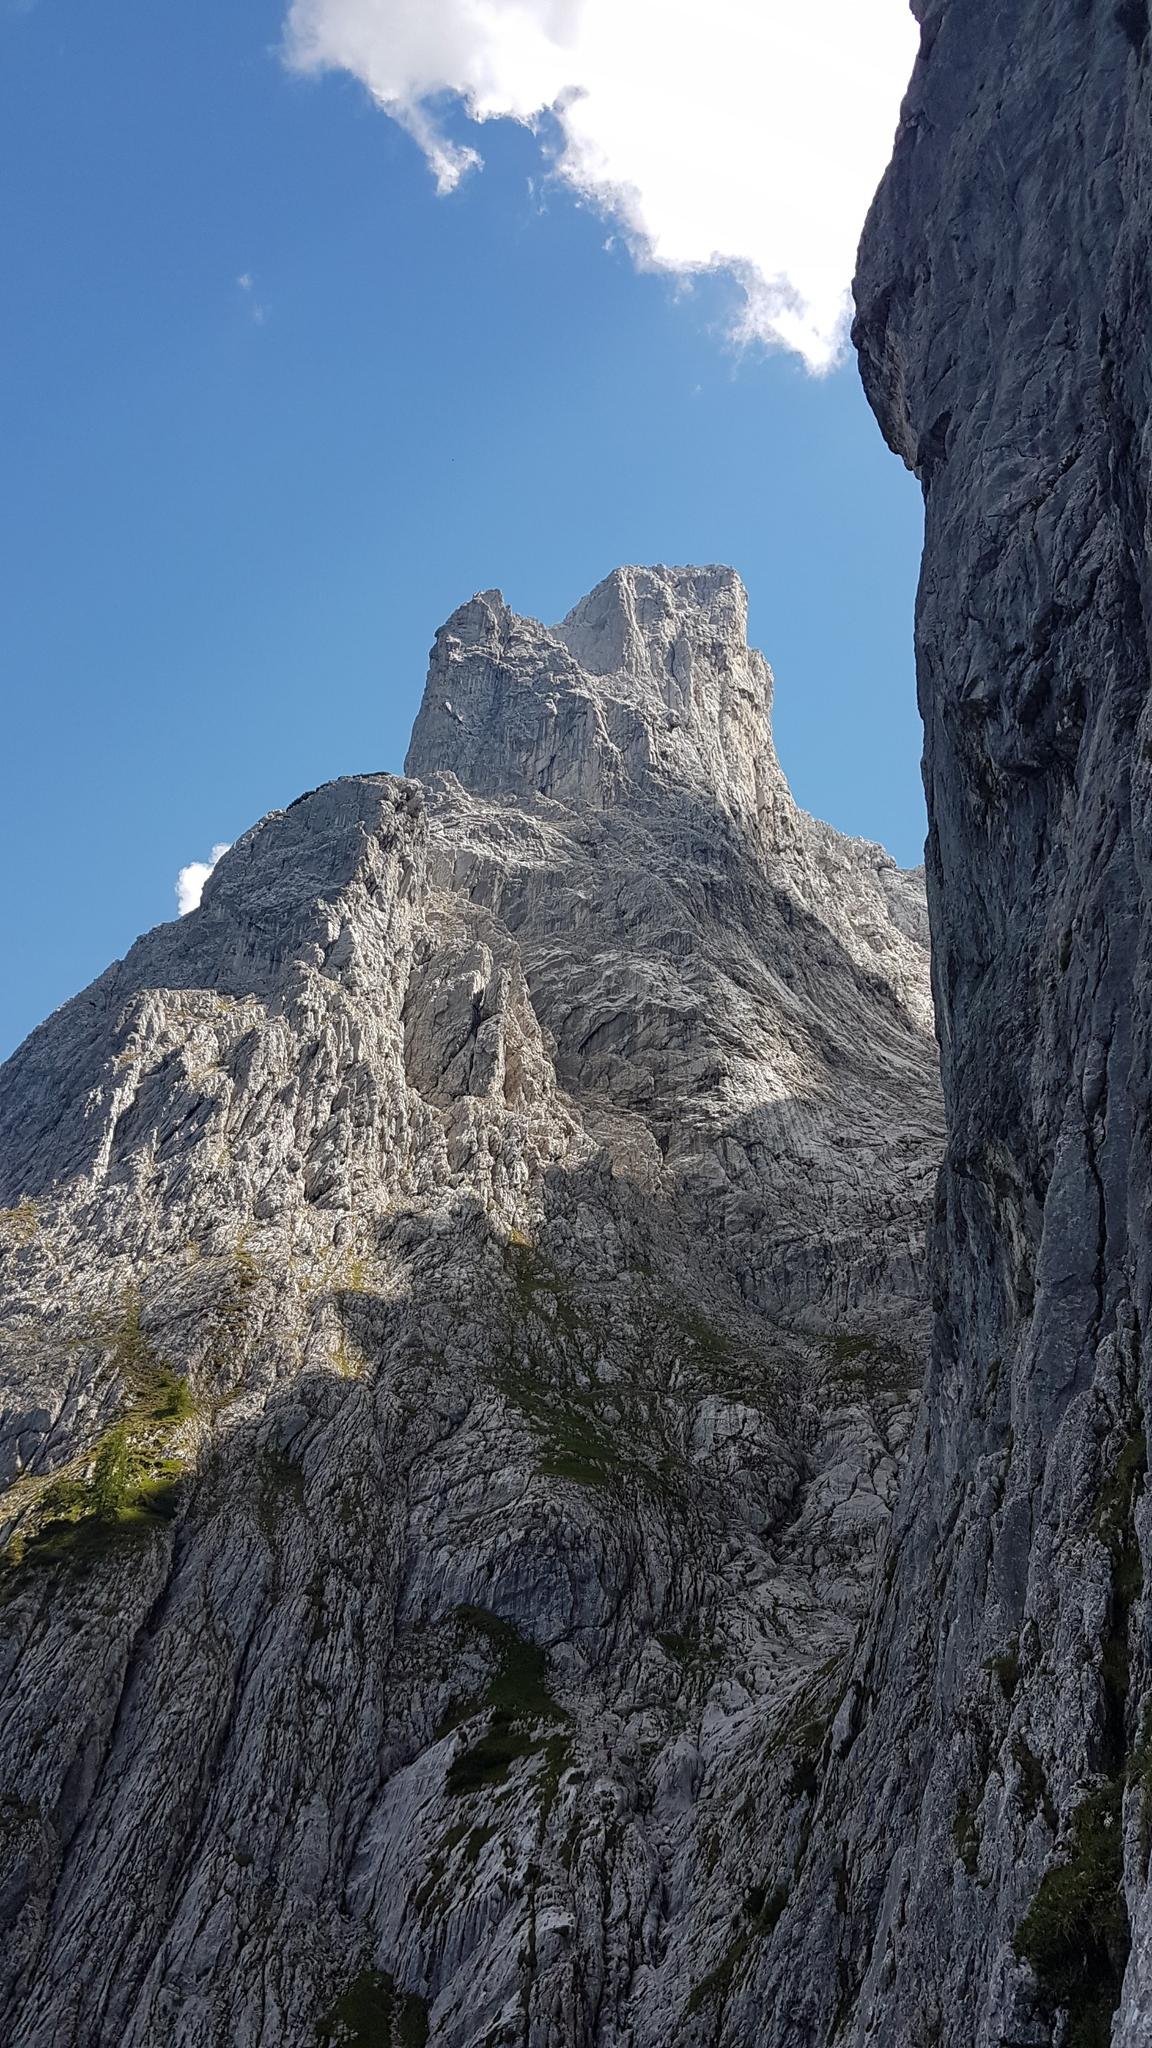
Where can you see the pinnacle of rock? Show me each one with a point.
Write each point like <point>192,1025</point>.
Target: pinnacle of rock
<point>462,1306</point>
<point>648,683</point>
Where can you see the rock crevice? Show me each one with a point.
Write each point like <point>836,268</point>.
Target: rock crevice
<point>1002,309</point>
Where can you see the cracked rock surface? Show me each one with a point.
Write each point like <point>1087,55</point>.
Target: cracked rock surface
<point>463,1306</point>
<point>977,1871</point>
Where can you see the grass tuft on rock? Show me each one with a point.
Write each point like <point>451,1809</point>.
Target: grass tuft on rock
<point>518,1701</point>
<point>19,1224</point>
<point>762,1909</point>
<point>126,1487</point>
<point>1075,1933</point>
<point>373,2013</point>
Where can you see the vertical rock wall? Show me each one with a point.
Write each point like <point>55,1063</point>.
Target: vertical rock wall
<point>977,1867</point>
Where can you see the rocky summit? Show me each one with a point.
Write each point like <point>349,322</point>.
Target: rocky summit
<point>463,1306</point>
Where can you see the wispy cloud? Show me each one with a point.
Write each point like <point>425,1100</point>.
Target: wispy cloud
<point>190,881</point>
<point>247,285</point>
<point>747,135</point>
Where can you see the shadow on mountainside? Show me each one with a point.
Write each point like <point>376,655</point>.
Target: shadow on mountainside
<point>358,1709</point>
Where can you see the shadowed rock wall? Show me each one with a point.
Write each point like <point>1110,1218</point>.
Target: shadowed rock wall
<point>977,1871</point>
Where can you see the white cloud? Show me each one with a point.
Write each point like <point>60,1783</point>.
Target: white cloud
<point>743,134</point>
<point>247,284</point>
<point>190,881</point>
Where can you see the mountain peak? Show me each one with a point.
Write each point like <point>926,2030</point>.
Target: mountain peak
<point>631,622</point>
<point>647,686</point>
<point>492,1183</point>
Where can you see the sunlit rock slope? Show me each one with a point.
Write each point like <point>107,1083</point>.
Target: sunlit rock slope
<point>463,1306</point>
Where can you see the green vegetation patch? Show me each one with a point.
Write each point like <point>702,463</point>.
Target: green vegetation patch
<point>157,1394</point>
<point>762,1909</point>
<point>128,1494</point>
<point>1118,1494</point>
<point>575,1445</point>
<point>473,1840</point>
<point>868,1363</point>
<point>1139,1776</point>
<point>716,1363</point>
<point>709,1345</point>
<point>518,1701</point>
<point>547,1335</point>
<point>372,2013</point>
<point>714,1989</point>
<point>1075,1933</point>
<point>489,1760</point>
<point>127,1486</point>
<point>630,1430</point>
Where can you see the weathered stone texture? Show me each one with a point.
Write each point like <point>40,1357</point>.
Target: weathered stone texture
<point>463,1306</point>
<point>963,1880</point>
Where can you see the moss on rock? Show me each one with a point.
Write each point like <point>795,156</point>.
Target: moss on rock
<point>373,2013</point>
<point>1075,1933</point>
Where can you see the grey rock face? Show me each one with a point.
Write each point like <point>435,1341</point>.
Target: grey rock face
<point>463,1307</point>
<point>978,1867</point>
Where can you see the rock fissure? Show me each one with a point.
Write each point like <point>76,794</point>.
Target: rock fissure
<point>1001,296</point>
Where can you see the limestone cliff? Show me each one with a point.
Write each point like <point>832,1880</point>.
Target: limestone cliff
<point>461,1318</point>
<point>978,1867</point>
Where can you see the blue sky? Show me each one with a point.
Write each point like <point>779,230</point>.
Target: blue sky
<point>234,514</point>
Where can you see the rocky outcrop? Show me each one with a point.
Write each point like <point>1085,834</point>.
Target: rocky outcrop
<point>462,1315</point>
<point>977,1871</point>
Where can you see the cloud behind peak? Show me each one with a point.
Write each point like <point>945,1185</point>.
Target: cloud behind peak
<point>190,880</point>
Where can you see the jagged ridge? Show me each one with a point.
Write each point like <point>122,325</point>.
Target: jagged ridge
<point>462,1318</point>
